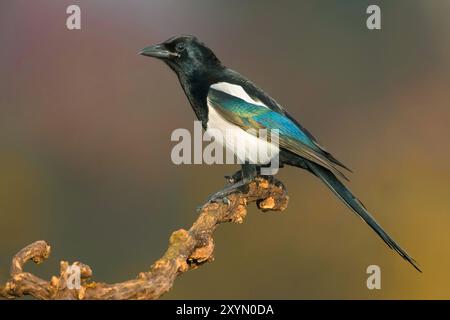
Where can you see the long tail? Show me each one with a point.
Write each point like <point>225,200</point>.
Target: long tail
<point>353,203</point>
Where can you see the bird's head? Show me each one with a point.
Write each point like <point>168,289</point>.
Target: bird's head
<point>186,55</point>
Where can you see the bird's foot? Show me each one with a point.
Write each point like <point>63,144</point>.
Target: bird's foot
<point>272,180</point>
<point>235,177</point>
<point>249,174</point>
<point>221,195</point>
<point>239,182</point>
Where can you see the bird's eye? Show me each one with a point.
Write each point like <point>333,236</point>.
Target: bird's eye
<point>179,47</point>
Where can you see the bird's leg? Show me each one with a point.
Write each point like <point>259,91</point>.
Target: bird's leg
<point>269,177</point>
<point>238,175</point>
<point>248,173</point>
<point>235,177</point>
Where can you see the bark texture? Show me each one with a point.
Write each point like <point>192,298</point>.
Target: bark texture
<point>187,250</point>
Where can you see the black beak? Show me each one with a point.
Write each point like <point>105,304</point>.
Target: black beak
<point>157,51</point>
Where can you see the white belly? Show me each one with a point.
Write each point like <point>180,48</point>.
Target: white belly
<point>246,146</point>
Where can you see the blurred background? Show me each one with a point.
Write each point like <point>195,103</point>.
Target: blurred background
<point>85,128</point>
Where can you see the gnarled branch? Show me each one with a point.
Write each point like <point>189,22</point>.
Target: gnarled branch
<point>188,249</point>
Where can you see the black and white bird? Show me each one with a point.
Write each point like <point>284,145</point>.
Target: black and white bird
<point>224,100</point>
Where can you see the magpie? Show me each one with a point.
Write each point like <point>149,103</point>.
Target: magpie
<point>223,99</point>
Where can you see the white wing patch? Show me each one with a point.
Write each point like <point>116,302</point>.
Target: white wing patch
<point>237,91</point>
<point>246,146</point>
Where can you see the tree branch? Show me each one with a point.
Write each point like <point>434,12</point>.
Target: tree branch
<point>187,250</point>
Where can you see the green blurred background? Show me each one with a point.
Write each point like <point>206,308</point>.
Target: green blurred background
<point>85,128</point>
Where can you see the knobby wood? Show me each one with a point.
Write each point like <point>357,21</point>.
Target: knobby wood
<point>188,250</point>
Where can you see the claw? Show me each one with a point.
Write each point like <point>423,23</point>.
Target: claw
<point>235,177</point>
<point>230,179</point>
<point>238,181</point>
<point>226,201</point>
<point>222,194</point>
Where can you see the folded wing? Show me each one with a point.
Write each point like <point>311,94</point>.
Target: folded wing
<point>247,114</point>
